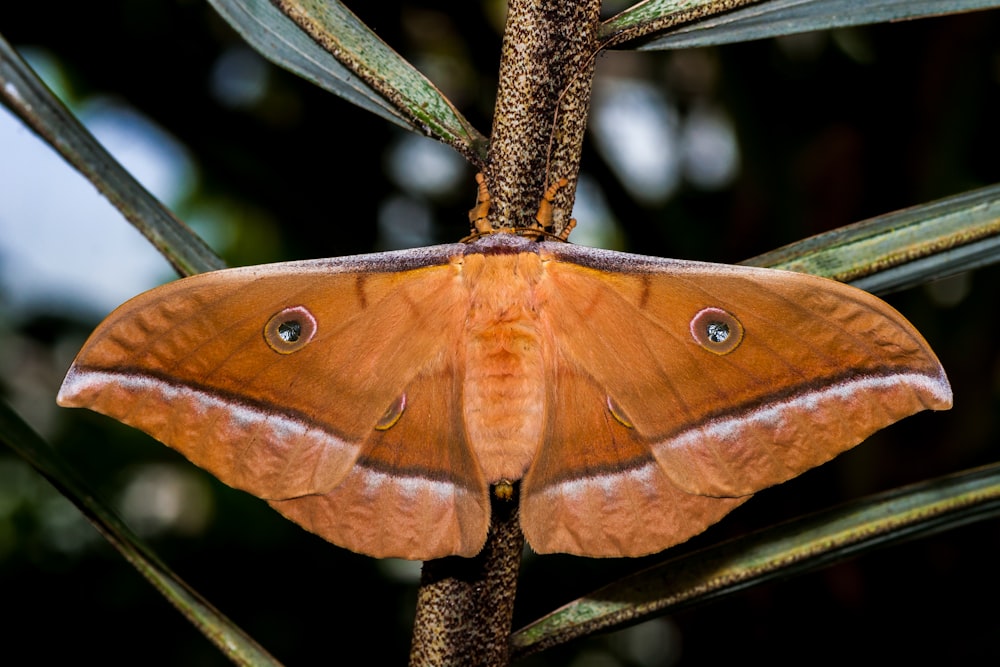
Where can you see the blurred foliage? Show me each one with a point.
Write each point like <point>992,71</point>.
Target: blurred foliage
<point>832,128</point>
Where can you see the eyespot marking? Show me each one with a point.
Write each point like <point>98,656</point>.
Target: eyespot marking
<point>716,330</point>
<point>290,329</point>
<point>619,414</point>
<point>392,414</point>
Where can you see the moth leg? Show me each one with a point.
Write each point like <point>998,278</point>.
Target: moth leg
<point>477,216</point>
<point>544,215</point>
<point>570,226</point>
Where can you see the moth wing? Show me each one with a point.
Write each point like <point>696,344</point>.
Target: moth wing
<point>819,368</point>
<point>190,364</point>
<point>416,491</point>
<point>595,489</point>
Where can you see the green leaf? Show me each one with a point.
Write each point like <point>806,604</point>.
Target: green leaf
<point>784,550</point>
<point>322,41</point>
<point>231,640</point>
<point>904,248</point>
<point>668,24</point>
<point>29,99</point>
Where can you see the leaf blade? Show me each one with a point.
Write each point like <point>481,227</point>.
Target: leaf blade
<point>328,45</point>
<point>230,639</point>
<point>784,550</point>
<point>904,248</point>
<point>667,24</point>
<point>24,93</point>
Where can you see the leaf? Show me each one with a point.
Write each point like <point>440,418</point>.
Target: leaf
<point>231,640</point>
<point>323,42</point>
<point>668,24</point>
<point>783,550</point>
<point>901,249</point>
<point>29,99</point>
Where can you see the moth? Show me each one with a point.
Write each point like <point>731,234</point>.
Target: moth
<point>633,401</point>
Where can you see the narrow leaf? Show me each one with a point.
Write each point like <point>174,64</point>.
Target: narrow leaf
<point>784,550</point>
<point>322,41</point>
<point>29,99</point>
<point>904,248</point>
<point>670,24</point>
<point>231,640</point>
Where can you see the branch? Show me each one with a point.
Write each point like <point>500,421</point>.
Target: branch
<point>546,75</point>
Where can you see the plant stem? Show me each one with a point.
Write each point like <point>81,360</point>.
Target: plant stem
<point>464,605</point>
<point>546,75</point>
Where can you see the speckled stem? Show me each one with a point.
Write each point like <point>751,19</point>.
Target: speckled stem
<point>464,605</point>
<point>546,74</point>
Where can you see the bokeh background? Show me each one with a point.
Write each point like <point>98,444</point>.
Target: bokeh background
<point>711,154</point>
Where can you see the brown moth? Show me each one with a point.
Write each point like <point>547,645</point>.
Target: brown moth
<point>375,399</point>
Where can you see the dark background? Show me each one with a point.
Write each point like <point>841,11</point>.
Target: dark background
<point>826,138</point>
